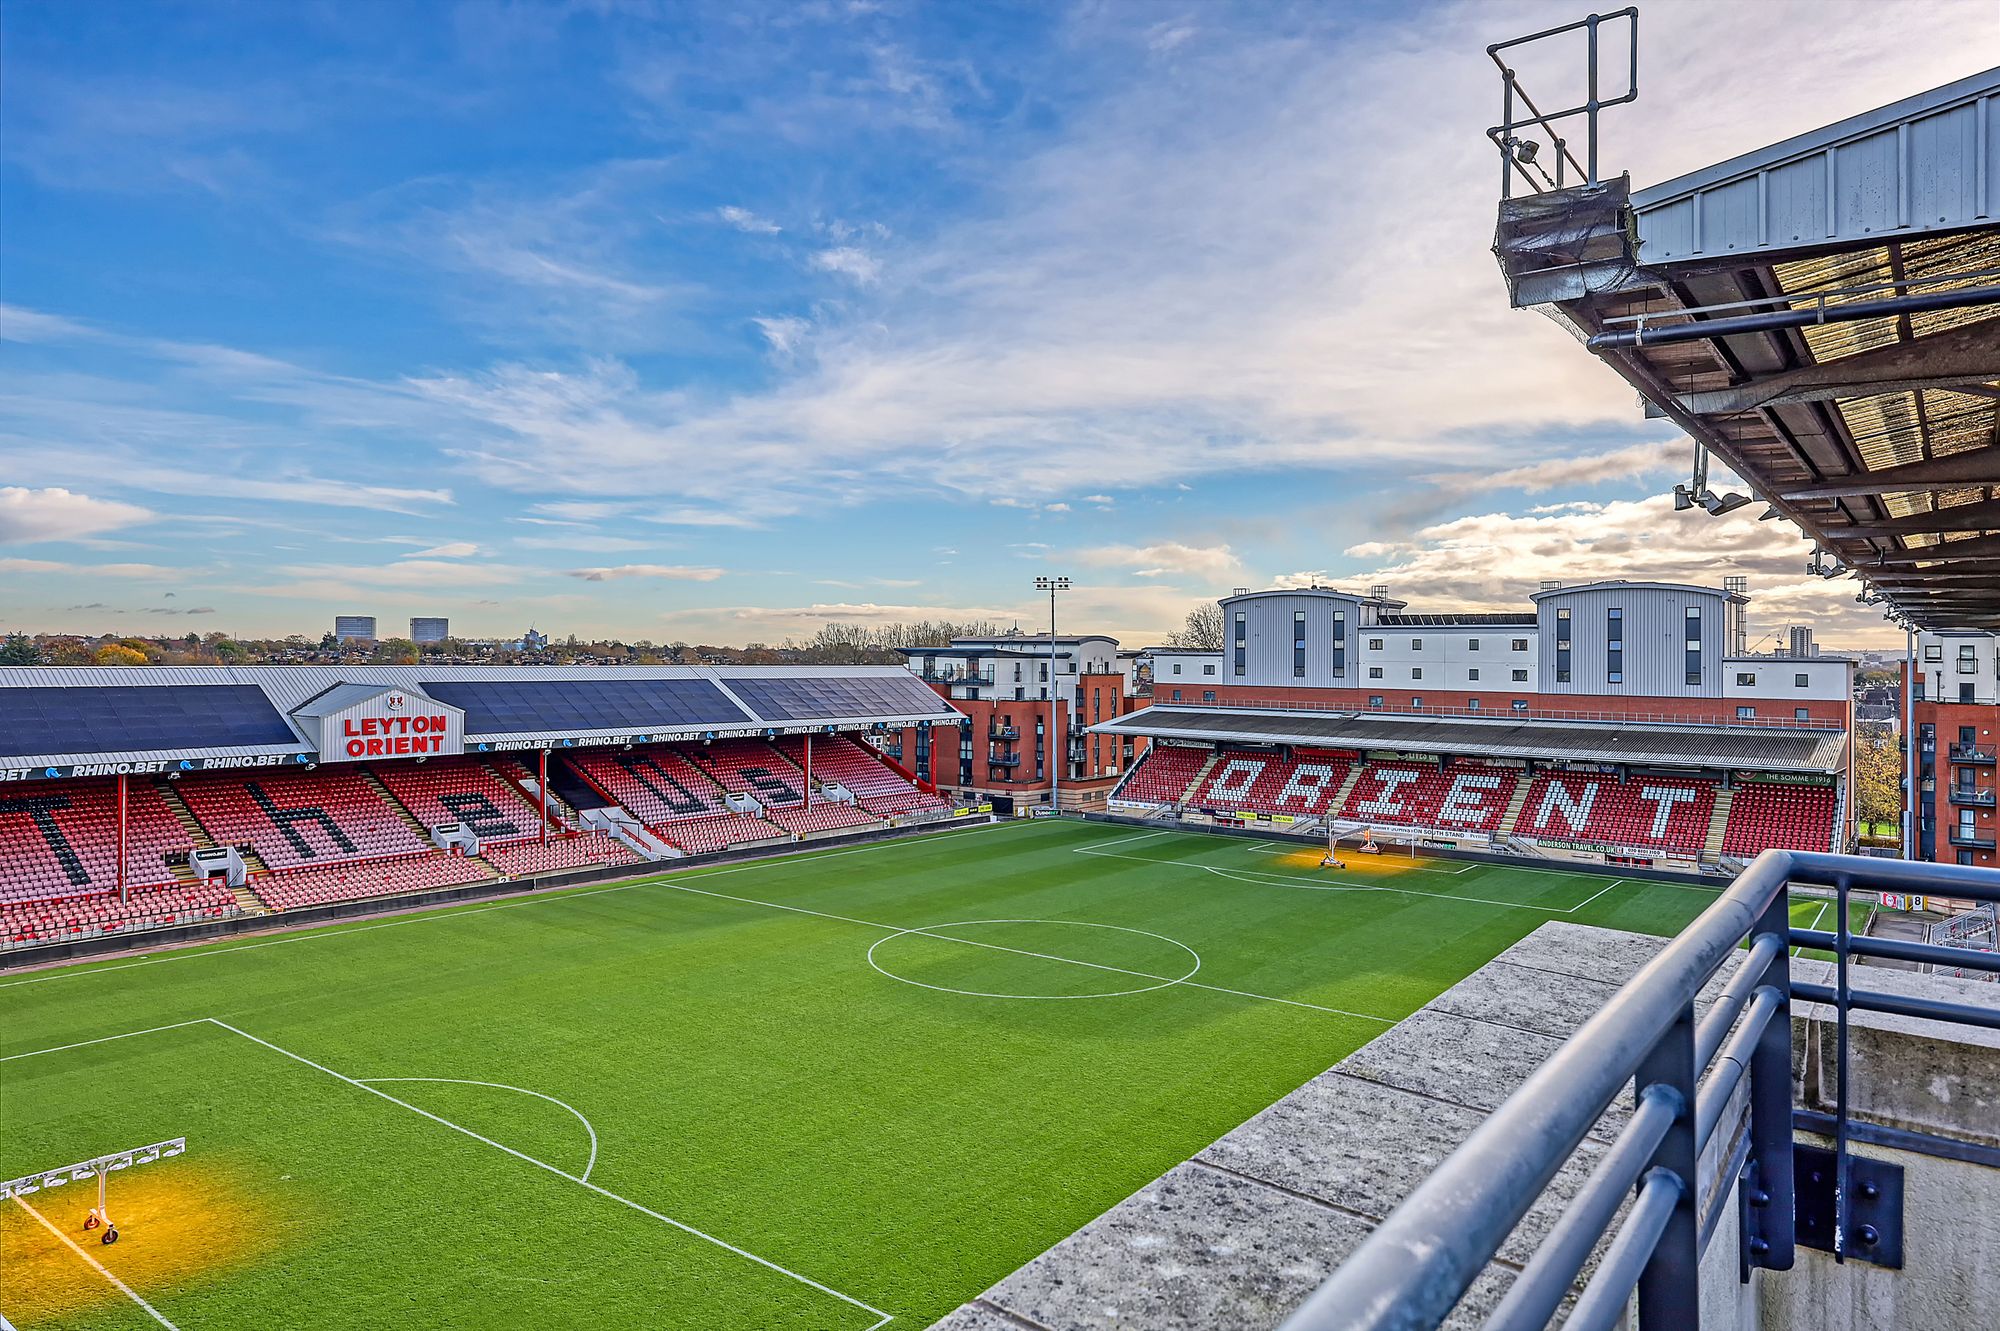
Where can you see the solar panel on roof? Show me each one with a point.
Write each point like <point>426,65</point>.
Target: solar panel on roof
<point>494,707</point>
<point>59,719</point>
<point>806,699</point>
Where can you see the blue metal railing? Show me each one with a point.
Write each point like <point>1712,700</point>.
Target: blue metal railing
<point>1684,1069</point>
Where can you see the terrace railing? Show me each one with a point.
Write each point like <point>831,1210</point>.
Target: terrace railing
<point>1685,1070</point>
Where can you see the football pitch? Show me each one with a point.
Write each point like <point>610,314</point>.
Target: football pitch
<point>833,1090</point>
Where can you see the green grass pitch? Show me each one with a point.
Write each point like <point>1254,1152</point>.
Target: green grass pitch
<point>733,1097</point>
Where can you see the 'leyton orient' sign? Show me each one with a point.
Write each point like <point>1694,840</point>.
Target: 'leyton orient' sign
<point>392,724</point>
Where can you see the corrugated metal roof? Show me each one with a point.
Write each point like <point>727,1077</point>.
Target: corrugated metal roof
<point>1502,737</point>
<point>290,687</point>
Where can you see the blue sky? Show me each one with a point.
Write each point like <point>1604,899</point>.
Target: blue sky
<point>718,322</point>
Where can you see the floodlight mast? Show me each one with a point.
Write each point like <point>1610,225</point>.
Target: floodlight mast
<point>1055,758</point>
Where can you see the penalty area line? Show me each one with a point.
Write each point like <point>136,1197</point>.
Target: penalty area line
<point>683,1226</point>
<point>123,1288</point>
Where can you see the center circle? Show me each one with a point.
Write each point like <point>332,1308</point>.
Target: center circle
<point>1080,964</point>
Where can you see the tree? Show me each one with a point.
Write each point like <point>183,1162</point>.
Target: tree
<point>1878,774</point>
<point>396,651</point>
<point>1203,630</point>
<point>20,649</point>
<point>113,653</point>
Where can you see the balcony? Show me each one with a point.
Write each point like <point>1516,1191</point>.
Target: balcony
<point>1004,732</point>
<point>1978,797</point>
<point>1971,838</point>
<point>1973,753</point>
<point>1003,760</point>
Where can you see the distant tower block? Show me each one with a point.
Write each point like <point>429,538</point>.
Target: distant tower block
<point>429,630</point>
<point>350,628</point>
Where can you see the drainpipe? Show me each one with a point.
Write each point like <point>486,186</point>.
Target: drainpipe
<point>1909,745</point>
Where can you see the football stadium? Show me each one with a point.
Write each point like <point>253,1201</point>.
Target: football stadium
<point>1374,967</point>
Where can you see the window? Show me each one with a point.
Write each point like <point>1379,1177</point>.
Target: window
<point>1298,644</point>
<point>1177,695</point>
<point>1339,643</point>
<point>1933,651</point>
<point>1966,662</point>
<point>1799,681</point>
<point>1748,680</point>
<point>1416,702</point>
<point>1208,669</point>
<point>1472,645</point>
<point>1965,693</point>
<point>1801,714</point>
<point>1242,643</point>
<point>1374,644</point>
<point>1614,645</point>
<point>1416,644</point>
<point>1519,645</point>
<point>1562,624</point>
<point>1208,695</point>
<point>1520,704</point>
<point>1416,672</point>
<point>1374,700</point>
<point>1692,642</point>
<point>1746,713</point>
<point>1374,672</point>
<point>1472,673</point>
<point>1177,668</point>
<point>1520,677</point>
<point>1472,705</point>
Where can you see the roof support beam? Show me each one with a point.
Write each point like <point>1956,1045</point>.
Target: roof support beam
<point>1979,466</point>
<point>1955,552</point>
<point>1955,357</point>
<point>1982,516</point>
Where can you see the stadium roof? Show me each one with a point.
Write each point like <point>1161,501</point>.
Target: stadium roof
<point>1822,314</point>
<point>1458,619</point>
<point>57,718</point>
<point>1679,745</point>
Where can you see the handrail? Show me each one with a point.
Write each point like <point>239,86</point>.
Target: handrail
<point>1412,1271</point>
<point>1510,714</point>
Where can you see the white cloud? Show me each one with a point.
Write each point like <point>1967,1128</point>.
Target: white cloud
<point>143,572</point>
<point>671,572</point>
<point>783,333</point>
<point>745,220</point>
<point>1211,563</point>
<point>1055,508</point>
<point>1493,561</point>
<point>851,262</point>
<point>455,550</point>
<point>56,514</point>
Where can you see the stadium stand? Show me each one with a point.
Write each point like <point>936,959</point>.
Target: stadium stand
<point>1662,813</point>
<point>752,767</point>
<point>1163,774</point>
<point>370,878</point>
<point>525,858</point>
<point>63,842</point>
<point>296,819</point>
<point>656,783</point>
<point>819,817</point>
<point>461,790</point>
<point>880,788</point>
<point>28,922</point>
<point>1463,798</point>
<point>1301,785</point>
<point>703,836</point>
<point>1763,815</point>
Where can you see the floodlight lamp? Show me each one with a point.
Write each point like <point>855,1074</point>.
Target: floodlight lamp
<point>1682,499</point>
<point>1720,504</point>
<point>1525,151</point>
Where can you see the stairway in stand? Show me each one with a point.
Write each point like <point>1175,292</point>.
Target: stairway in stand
<point>197,834</point>
<point>247,902</point>
<point>1507,819</point>
<point>388,797</point>
<point>1718,822</point>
